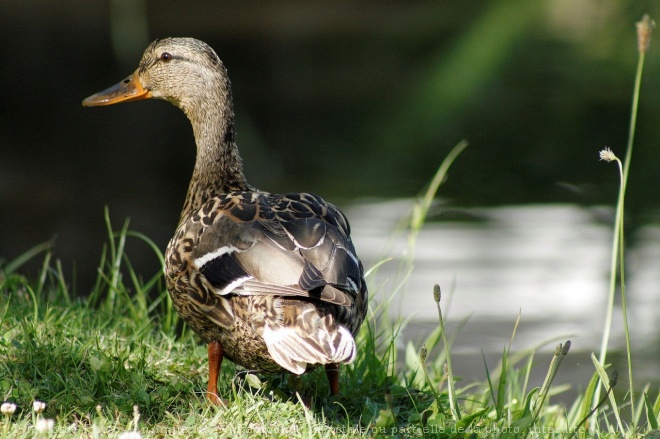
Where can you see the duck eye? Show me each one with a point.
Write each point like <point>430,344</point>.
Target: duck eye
<point>165,56</point>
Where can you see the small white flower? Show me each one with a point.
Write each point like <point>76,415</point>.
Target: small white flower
<point>43,425</point>
<point>38,407</point>
<point>8,408</point>
<point>607,155</point>
<point>130,435</point>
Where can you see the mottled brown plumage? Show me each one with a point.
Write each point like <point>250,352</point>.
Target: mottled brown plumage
<point>270,281</point>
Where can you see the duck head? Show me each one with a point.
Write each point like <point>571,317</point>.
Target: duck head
<point>184,71</point>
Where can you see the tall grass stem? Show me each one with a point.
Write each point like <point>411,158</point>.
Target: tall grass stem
<point>618,247</point>
<point>421,208</point>
<point>451,391</point>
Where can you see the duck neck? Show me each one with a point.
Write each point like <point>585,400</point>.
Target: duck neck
<point>218,165</point>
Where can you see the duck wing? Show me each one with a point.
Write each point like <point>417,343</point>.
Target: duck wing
<point>255,243</point>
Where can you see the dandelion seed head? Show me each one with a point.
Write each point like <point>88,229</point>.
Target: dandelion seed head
<point>38,406</point>
<point>8,408</point>
<point>43,425</point>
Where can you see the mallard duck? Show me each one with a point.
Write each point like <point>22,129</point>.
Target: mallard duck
<point>270,281</point>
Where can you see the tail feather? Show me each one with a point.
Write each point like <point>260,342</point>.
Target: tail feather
<point>294,350</point>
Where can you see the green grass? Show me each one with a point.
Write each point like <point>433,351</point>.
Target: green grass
<point>119,361</point>
<point>91,360</point>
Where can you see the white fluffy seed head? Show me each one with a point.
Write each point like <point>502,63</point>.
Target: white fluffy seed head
<point>8,408</point>
<point>38,407</point>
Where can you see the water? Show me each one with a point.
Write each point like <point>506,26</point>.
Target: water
<point>550,263</point>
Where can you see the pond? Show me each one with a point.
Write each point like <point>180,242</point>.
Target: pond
<point>550,263</point>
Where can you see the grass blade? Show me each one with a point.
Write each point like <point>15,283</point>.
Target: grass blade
<point>501,385</point>
<point>587,399</point>
<point>605,379</point>
<point>650,415</point>
<point>421,208</point>
<point>24,257</point>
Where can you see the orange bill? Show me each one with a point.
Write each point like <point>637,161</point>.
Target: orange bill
<point>130,89</point>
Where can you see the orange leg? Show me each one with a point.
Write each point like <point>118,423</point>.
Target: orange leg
<point>332,371</point>
<point>215,360</point>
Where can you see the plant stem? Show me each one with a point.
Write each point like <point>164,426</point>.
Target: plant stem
<point>624,182</point>
<point>618,243</point>
<point>451,391</point>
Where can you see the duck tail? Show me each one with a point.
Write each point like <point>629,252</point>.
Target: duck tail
<point>294,349</point>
